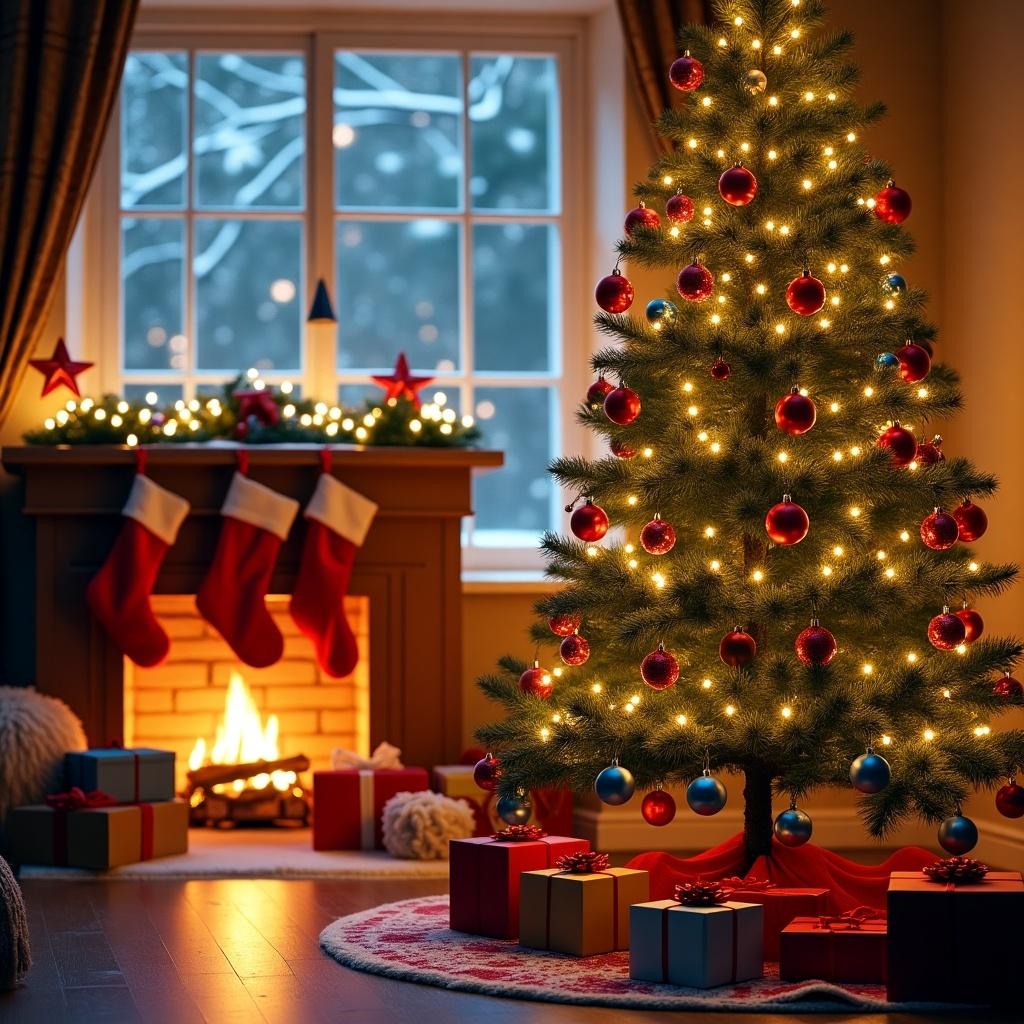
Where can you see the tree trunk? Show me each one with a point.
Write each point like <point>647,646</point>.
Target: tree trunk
<point>757,812</point>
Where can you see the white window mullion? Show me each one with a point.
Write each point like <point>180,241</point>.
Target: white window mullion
<point>190,322</point>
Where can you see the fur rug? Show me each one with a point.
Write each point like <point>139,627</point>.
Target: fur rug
<point>14,954</point>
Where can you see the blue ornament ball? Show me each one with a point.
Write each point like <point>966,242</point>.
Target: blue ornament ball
<point>887,359</point>
<point>513,810</point>
<point>870,773</point>
<point>659,310</point>
<point>958,835</point>
<point>793,827</point>
<point>614,785</point>
<point>894,284</point>
<point>706,795</point>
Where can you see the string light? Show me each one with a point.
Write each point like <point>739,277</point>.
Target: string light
<point>706,684</point>
<point>755,44</point>
<point>982,730</point>
<point>773,101</point>
<point>867,668</point>
<point>886,740</point>
<point>839,551</point>
<point>632,500</point>
<point>777,50</point>
<point>786,711</point>
<point>757,576</point>
<point>972,566</point>
<point>680,719</point>
<point>783,457</point>
<point>834,407</point>
<point>667,180</point>
<point>730,710</point>
<point>869,391</point>
<point>658,580</point>
<point>912,657</point>
<point>928,735</point>
<point>596,688</point>
<point>647,453</point>
<point>826,570</point>
<point>545,733</point>
<point>592,552</point>
<point>715,565</point>
<point>715,447</point>
<point>855,511</point>
<point>709,532</point>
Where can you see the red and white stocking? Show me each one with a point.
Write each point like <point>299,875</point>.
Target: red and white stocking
<point>119,593</point>
<point>338,521</point>
<point>232,596</point>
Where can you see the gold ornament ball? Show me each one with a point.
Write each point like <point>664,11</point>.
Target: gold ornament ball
<point>757,81</point>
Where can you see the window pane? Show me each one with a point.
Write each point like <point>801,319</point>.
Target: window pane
<point>152,290</point>
<point>165,393</point>
<point>513,269</point>
<point>248,287</point>
<point>514,504</point>
<point>398,291</point>
<point>250,130</point>
<point>354,396</point>
<point>396,130</point>
<point>154,109</point>
<point>513,118</point>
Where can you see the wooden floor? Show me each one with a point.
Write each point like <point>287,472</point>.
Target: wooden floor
<point>225,951</point>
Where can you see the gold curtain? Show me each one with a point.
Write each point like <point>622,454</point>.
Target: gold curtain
<point>650,28</point>
<point>60,67</point>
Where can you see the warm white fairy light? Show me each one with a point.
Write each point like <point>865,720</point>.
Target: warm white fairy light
<point>545,733</point>
<point>730,710</point>
<point>715,319</point>
<point>777,50</point>
<point>855,450</point>
<point>658,579</point>
<point>692,410</point>
<point>131,440</point>
<point>869,391</point>
<point>795,34</point>
<point>680,719</point>
<point>592,552</point>
<point>720,154</point>
<point>362,433</point>
<point>769,225</point>
<point>692,143</point>
<point>784,230</point>
<point>557,671</point>
<point>881,555</point>
<point>886,740</point>
<point>783,457</point>
<point>703,435</point>
<point>856,511</point>
<point>596,688</point>
<point>715,565</point>
<point>715,447</point>
<point>851,137</point>
<point>757,575</point>
<point>904,535</point>
<point>890,572</point>
<point>867,668</point>
<point>833,164</point>
<point>837,456</point>
<point>633,563</point>
<point>145,415</point>
<point>761,289</point>
<point>647,453</point>
<point>972,566</point>
<point>737,21</point>
<point>749,257</point>
<point>960,649</point>
<point>982,730</point>
<point>706,101</point>
<point>667,179</point>
<point>722,41</point>
<point>928,735</point>
<point>50,423</point>
<point>745,147</point>
<point>809,96</point>
<point>116,421</point>
<point>773,101</point>
<point>632,500</point>
<point>786,711</point>
<point>780,328</point>
<point>706,684</point>
<point>826,570</point>
<point>912,657</point>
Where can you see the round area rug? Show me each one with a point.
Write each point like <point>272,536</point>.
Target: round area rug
<point>411,940</point>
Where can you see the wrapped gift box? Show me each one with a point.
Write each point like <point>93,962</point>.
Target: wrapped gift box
<point>348,802</point>
<point>847,948</point>
<point>128,776</point>
<point>781,905</point>
<point>484,879</point>
<point>96,837</point>
<point>700,947</point>
<point>579,914</point>
<point>955,943</point>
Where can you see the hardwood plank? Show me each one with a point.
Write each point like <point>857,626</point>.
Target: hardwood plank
<point>41,999</point>
<point>107,1004</point>
<point>223,999</point>
<point>184,934</point>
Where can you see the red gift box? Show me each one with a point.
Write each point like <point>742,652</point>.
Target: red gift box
<point>484,879</point>
<point>848,948</point>
<point>781,905</point>
<point>348,803</point>
<point>955,943</point>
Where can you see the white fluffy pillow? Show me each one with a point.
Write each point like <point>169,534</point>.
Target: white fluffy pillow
<point>417,826</point>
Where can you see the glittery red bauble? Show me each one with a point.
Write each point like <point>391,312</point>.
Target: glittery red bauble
<point>971,520</point>
<point>537,681</point>
<point>939,531</point>
<point>574,650</point>
<point>946,631</point>
<point>564,623</point>
<point>929,452</point>
<point>892,204</point>
<point>695,283</point>
<point>974,625</point>
<point>815,645</point>
<point>1009,801</point>
<point>598,391</point>
<point>614,293</point>
<point>787,523</point>
<point>621,450</point>
<point>720,369</point>
<point>589,522</point>
<point>737,648</point>
<point>659,669</point>
<point>622,405</point>
<point>679,208</point>
<point>795,413</point>
<point>486,772</point>
<point>657,537</point>
<point>686,73</point>
<point>900,442</point>
<point>805,294</point>
<point>914,363</point>
<point>658,807</point>
<point>641,217</point>
<point>1008,687</point>
<point>737,186</point>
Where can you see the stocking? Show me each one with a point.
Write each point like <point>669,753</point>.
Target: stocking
<point>338,520</point>
<point>119,593</point>
<point>232,596</point>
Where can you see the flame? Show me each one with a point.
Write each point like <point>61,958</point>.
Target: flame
<point>241,738</point>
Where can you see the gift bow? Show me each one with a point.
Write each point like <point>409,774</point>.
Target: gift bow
<point>849,921</point>
<point>955,870</point>
<point>384,756</point>
<point>519,834</point>
<point>590,862</point>
<point>747,884</point>
<point>75,799</point>
<point>701,893</point>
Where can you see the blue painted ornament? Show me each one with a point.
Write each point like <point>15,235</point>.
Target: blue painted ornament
<point>870,773</point>
<point>614,785</point>
<point>793,827</point>
<point>887,359</point>
<point>958,835</point>
<point>706,795</point>
<point>514,809</point>
<point>894,284</point>
<point>659,311</point>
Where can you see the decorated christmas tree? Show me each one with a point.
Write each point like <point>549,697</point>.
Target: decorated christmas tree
<point>770,572</point>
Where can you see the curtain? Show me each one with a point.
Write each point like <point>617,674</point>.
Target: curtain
<point>650,28</point>
<point>60,66</point>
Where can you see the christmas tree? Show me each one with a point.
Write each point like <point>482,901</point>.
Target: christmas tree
<point>770,573</point>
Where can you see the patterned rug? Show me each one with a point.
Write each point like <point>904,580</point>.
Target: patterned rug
<point>411,940</point>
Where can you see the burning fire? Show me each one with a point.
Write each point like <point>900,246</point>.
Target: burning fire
<point>242,737</point>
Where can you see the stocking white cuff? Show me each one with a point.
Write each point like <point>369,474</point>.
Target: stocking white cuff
<point>157,509</point>
<point>259,506</point>
<point>341,509</point>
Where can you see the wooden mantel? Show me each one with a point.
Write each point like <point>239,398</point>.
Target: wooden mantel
<point>409,567</point>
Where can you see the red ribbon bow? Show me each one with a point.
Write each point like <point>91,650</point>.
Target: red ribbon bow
<point>747,884</point>
<point>519,833</point>
<point>588,863</point>
<point>849,921</point>
<point>701,893</point>
<point>75,799</point>
<point>955,870</point>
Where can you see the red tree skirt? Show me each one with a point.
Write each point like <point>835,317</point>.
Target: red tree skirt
<point>850,885</point>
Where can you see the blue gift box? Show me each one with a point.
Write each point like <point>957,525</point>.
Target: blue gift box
<point>129,776</point>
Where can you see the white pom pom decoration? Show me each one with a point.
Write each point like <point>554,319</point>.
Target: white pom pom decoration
<point>417,826</point>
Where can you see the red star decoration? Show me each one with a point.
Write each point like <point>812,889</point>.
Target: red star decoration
<point>60,370</point>
<point>401,383</point>
<point>259,403</point>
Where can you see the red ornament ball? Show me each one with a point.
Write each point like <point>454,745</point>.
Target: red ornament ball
<point>679,208</point>
<point>915,363</point>
<point>795,413</point>
<point>486,772</point>
<point>589,522</point>
<point>1009,801</point>
<point>574,650</point>
<point>658,807</point>
<point>622,405</point>
<point>892,204</point>
<point>537,681</point>
<point>787,523</point>
<point>686,73</point>
<point>737,648</point>
<point>815,645</point>
<point>657,537</point>
<point>901,443</point>
<point>737,186</point>
<point>1008,687</point>
<point>939,531</point>
<point>805,294</point>
<point>974,625</point>
<point>641,217</point>
<point>659,669</point>
<point>971,521</point>
<point>930,452</point>
<point>564,623</point>
<point>621,450</point>
<point>946,631</point>
<point>614,293</point>
<point>695,283</point>
<point>598,391</point>
<point>720,369</point>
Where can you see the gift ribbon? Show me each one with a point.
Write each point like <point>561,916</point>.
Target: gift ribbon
<point>384,756</point>
<point>746,884</point>
<point>75,799</point>
<point>366,816</point>
<point>850,921</point>
<point>146,839</point>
